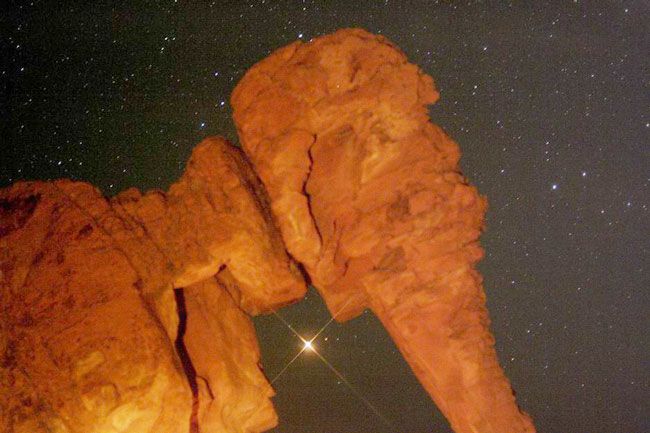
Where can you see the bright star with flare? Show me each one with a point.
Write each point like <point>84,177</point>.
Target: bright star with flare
<point>308,346</point>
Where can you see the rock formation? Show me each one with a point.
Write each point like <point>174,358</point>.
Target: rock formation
<point>89,317</point>
<point>220,340</point>
<point>370,199</point>
<point>130,314</point>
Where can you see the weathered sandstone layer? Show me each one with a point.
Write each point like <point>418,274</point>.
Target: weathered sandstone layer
<point>370,199</point>
<point>89,316</point>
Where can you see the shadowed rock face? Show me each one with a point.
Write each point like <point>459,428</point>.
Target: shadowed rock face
<point>89,318</point>
<point>370,199</point>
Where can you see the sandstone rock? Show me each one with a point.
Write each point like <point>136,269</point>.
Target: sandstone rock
<point>81,350</point>
<point>369,197</point>
<point>89,317</point>
<point>221,342</point>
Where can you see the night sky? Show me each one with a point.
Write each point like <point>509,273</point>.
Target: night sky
<point>549,102</point>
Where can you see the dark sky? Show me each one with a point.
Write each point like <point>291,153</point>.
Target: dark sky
<point>549,102</point>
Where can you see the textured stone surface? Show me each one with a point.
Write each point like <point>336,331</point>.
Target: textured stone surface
<point>89,317</point>
<point>369,197</point>
<point>221,341</point>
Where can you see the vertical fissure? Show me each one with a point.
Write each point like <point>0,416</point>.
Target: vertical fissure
<point>306,193</point>
<point>188,368</point>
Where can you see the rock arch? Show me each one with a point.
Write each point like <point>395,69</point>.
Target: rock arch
<point>363,190</point>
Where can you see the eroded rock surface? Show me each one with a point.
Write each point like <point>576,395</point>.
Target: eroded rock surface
<point>370,198</point>
<point>89,318</point>
<point>221,341</point>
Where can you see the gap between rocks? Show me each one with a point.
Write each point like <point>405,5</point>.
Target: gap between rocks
<point>181,350</point>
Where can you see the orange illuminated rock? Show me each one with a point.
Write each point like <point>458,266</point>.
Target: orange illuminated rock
<point>220,339</point>
<point>369,197</point>
<point>129,314</point>
<point>89,318</point>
